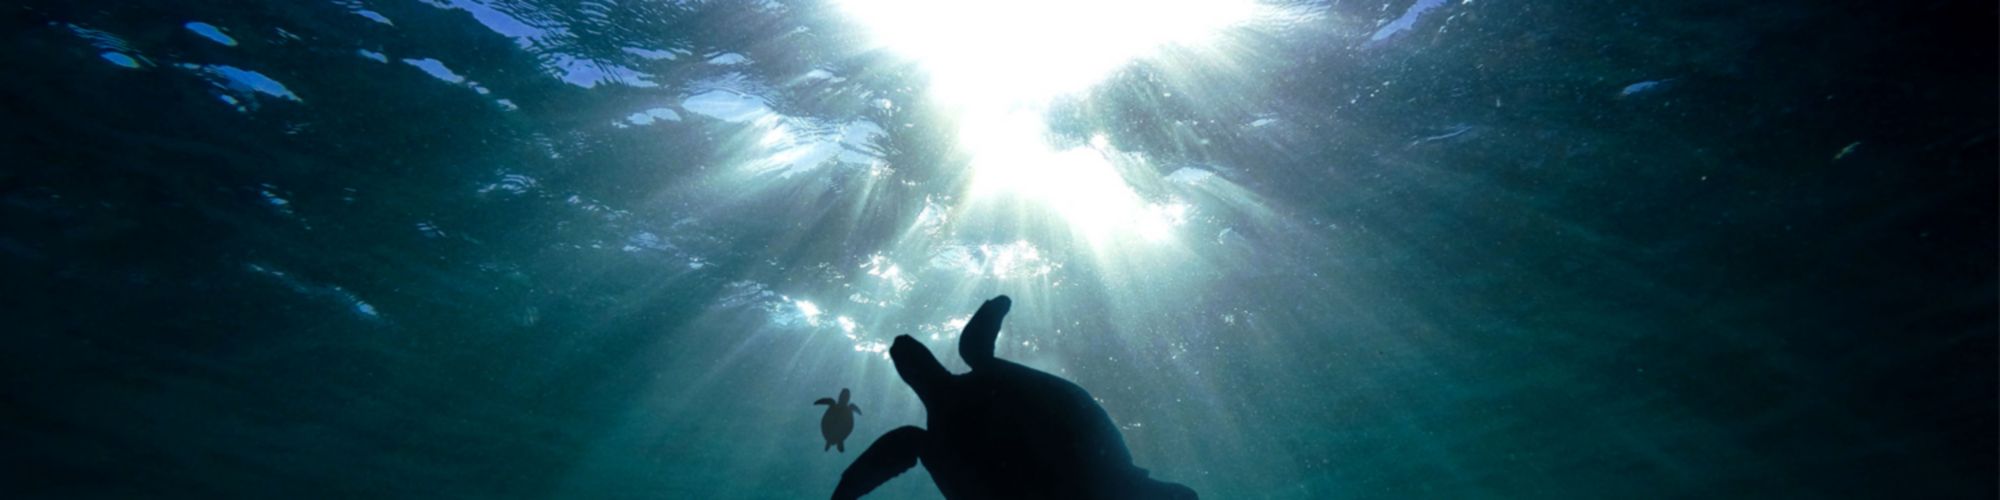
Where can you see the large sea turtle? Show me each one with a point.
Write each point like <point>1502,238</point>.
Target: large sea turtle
<point>1002,431</point>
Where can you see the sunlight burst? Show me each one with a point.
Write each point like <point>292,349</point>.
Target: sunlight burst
<point>1036,49</point>
<point>997,65</point>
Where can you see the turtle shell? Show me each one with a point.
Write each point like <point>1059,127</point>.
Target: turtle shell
<point>1009,431</point>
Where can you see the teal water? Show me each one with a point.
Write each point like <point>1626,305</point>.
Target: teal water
<point>615,249</point>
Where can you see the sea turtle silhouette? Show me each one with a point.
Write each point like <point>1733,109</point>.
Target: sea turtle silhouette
<point>1002,431</point>
<point>838,421</point>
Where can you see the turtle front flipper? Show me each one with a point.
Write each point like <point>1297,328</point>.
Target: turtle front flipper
<point>918,367</point>
<point>975,342</point>
<point>891,455</point>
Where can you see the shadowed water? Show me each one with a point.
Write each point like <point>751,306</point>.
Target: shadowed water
<point>617,248</point>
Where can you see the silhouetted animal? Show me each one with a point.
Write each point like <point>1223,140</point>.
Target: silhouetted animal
<point>838,421</point>
<point>1002,431</point>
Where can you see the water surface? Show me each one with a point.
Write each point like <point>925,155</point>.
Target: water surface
<point>615,249</point>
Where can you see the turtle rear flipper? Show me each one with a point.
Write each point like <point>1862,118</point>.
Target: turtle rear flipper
<point>891,455</point>
<point>1169,491</point>
<point>975,342</point>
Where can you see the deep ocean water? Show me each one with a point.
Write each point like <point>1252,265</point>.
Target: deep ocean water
<point>1301,250</point>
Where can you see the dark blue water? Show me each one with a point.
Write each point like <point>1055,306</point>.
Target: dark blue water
<point>615,249</point>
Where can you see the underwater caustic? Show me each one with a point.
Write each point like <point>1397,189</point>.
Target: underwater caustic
<point>1030,249</point>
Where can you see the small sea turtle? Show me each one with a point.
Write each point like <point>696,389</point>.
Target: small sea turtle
<point>1002,431</point>
<point>838,422</point>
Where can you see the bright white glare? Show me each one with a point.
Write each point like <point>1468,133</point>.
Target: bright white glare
<point>1018,259</point>
<point>1012,156</point>
<point>874,346</point>
<point>809,310</point>
<point>1036,49</point>
<point>997,65</point>
<point>949,329</point>
<point>879,266</point>
<point>1160,219</point>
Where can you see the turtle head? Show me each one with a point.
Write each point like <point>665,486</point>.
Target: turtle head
<point>975,343</point>
<point>843,396</point>
<point>918,367</point>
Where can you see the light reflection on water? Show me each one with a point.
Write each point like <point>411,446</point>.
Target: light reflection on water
<point>1062,228</point>
<point>1298,250</point>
